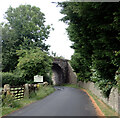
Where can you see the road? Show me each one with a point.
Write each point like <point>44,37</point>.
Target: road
<point>65,101</point>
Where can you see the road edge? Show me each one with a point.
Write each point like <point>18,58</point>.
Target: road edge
<point>25,105</point>
<point>98,110</point>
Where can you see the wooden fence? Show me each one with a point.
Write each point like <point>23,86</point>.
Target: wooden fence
<point>17,92</point>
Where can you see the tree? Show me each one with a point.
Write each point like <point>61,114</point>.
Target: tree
<point>9,47</point>
<point>33,62</point>
<point>94,30</point>
<point>25,28</point>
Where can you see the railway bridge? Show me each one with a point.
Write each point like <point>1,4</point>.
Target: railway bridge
<point>63,72</point>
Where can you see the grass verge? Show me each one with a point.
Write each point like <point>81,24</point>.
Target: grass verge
<point>106,110</point>
<point>40,94</point>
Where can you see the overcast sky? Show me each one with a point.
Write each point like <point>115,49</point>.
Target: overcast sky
<point>58,38</point>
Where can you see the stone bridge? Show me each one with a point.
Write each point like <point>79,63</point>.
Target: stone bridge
<point>62,72</point>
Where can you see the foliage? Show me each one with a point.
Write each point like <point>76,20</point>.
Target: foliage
<point>24,29</point>
<point>43,92</point>
<point>54,55</point>
<point>60,57</point>
<point>12,79</point>
<point>9,47</point>
<point>48,78</point>
<point>9,101</point>
<point>94,29</point>
<point>32,94</point>
<point>33,62</point>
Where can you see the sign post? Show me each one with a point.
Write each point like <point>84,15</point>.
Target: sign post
<point>38,78</point>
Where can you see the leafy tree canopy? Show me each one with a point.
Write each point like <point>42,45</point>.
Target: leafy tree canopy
<point>25,28</point>
<point>94,29</point>
<point>33,62</point>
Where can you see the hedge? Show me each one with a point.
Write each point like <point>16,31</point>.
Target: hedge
<point>12,79</point>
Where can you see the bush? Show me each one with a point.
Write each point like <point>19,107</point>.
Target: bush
<point>33,62</point>
<point>12,79</point>
<point>48,79</point>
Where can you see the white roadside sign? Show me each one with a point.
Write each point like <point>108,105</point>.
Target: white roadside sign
<point>38,78</point>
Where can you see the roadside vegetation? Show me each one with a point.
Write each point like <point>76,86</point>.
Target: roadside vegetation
<point>94,29</point>
<point>24,52</point>
<point>9,105</point>
<point>106,110</point>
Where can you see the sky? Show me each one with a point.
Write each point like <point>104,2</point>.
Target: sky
<point>58,39</point>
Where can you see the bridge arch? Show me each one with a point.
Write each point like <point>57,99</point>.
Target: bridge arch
<point>62,72</point>
<point>58,75</point>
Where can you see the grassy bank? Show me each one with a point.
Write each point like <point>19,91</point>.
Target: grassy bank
<point>15,105</point>
<point>107,111</point>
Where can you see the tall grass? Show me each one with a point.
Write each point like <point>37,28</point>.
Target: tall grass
<point>42,92</point>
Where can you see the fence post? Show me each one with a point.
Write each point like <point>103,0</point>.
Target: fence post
<point>26,92</point>
<point>6,90</point>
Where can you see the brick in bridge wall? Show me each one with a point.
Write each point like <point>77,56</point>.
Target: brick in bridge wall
<point>114,98</point>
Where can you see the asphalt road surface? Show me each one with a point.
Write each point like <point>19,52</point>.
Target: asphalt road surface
<point>64,101</point>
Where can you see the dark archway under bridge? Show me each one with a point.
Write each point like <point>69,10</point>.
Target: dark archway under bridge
<point>62,72</point>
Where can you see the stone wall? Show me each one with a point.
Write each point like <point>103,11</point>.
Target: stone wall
<point>72,77</point>
<point>114,98</point>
